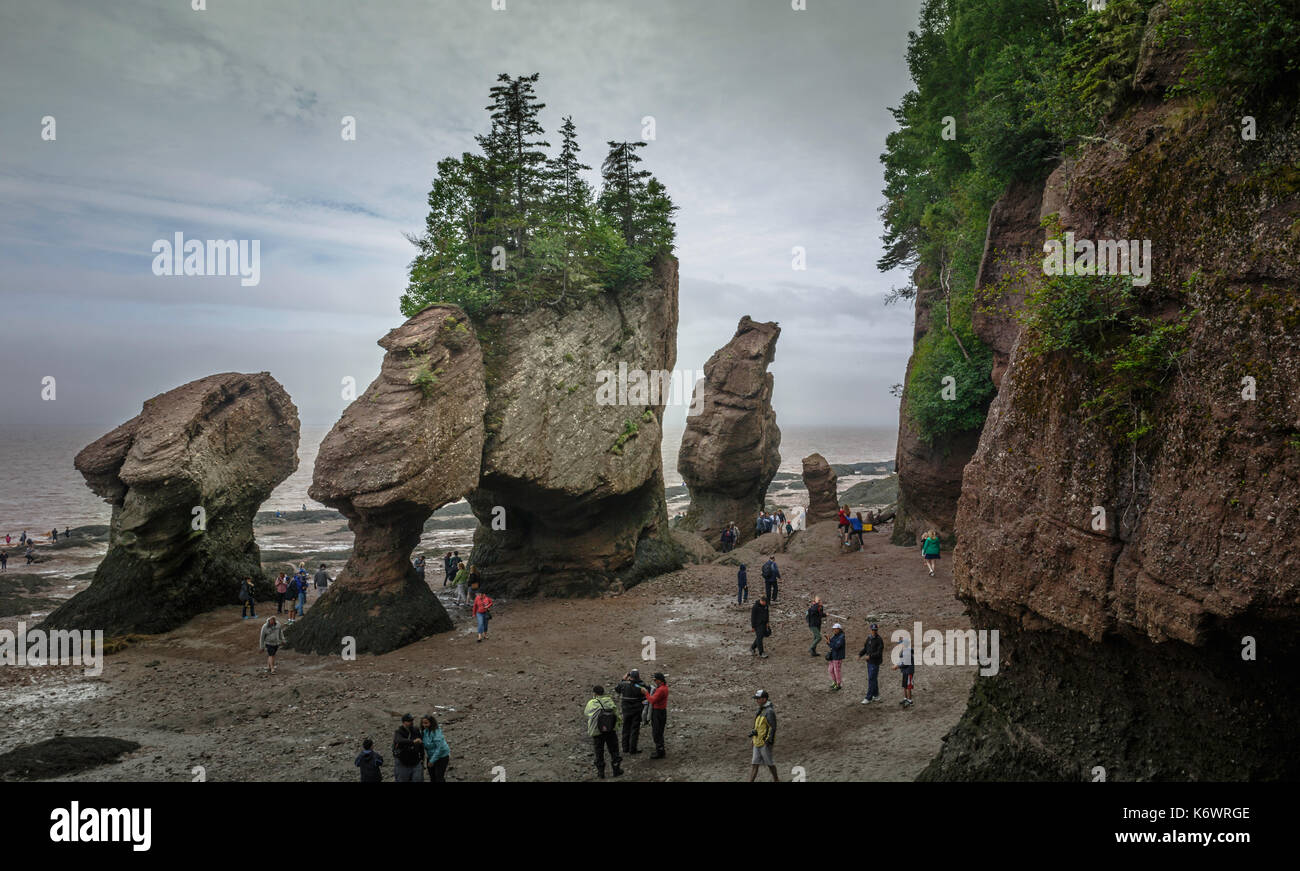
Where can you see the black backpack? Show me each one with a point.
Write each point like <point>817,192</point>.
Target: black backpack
<point>606,719</point>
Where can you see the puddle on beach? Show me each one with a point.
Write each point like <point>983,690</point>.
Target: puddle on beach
<point>31,708</point>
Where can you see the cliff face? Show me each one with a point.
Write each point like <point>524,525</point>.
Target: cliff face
<point>1161,644</point>
<point>571,497</point>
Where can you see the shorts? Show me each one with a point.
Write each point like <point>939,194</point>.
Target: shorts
<point>271,649</point>
<point>763,755</point>
<point>931,556</point>
<point>907,671</point>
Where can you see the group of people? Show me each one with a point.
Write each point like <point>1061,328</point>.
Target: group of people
<point>417,751</point>
<point>774,522</point>
<point>607,719</point>
<point>28,544</point>
<point>851,526</point>
<point>730,537</point>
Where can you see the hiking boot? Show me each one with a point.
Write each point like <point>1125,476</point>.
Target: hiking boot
<point>812,653</point>
<point>618,772</point>
<point>658,754</point>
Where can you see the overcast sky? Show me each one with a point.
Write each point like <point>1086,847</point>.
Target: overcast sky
<point>225,124</point>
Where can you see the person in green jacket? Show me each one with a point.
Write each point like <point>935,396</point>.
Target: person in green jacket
<point>603,723</point>
<point>930,549</point>
<point>437,755</point>
<point>461,583</point>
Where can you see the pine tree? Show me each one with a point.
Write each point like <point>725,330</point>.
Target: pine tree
<point>624,188</point>
<point>515,159</point>
<point>568,201</point>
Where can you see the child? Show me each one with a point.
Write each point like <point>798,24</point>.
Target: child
<point>369,762</point>
<point>907,668</point>
<point>742,588</point>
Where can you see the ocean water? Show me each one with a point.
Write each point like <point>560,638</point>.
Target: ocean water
<point>40,489</point>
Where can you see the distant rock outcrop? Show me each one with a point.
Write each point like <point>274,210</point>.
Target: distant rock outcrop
<point>407,446</point>
<point>571,498</point>
<point>731,448</point>
<point>184,477</point>
<point>823,495</point>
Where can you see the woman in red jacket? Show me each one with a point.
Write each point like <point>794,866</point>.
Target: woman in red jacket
<point>658,698</point>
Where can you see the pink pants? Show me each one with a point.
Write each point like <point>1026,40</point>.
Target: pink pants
<point>834,667</point>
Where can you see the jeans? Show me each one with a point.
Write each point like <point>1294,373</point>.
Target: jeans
<point>602,741</point>
<point>658,719</point>
<point>631,729</point>
<point>408,773</point>
<point>817,637</point>
<point>770,588</point>
<point>482,622</point>
<point>249,609</point>
<point>758,641</point>
<point>873,675</point>
<point>302,603</point>
<point>742,594</point>
<point>279,603</point>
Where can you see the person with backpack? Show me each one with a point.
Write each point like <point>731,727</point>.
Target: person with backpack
<point>482,611</point>
<point>437,755</point>
<point>631,693</point>
<point>874,651</point>
<point>658,700</point>
<point>763,736</point>
<point>855,528</point>
<point>835,656</point>
<point>281,587</point>
<point>322,578</point>
<point>301,578</point>
<point>814,617</point>
<point>369,762</point>
<point>930,550</point>
<point>270,639</point>
<point>758,622</point>
<point>246,597</point>
<point>771,577</point>
<point>291,596</point>
<point>742,586</point>
<point>408,752</point>
<point>603,727</point>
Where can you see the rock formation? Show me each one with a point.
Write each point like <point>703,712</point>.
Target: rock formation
<point>731,448</point>
<point>571,498</point>
<point>410,444</point>
<point>1145,588</point>
<point>184,477</point>
<point>823,496</point>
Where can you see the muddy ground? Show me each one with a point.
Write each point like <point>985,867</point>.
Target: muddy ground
<point>199,696</point>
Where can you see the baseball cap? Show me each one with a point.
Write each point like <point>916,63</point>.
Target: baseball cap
<point>659,675</point>
<point>407,718</point>
<point>761,694</point>
<point>874,626</point>
<point>837,626</point>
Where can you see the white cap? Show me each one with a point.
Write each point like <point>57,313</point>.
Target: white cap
<point>837,626</point>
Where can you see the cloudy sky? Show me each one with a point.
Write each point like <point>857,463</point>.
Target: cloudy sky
<point>225,124</point>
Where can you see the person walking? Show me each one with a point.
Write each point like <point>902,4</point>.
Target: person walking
<point>771,577</point>
<point>631,692</point>
<point>482,611</point>
<point>270,639</point>
<point>4,560</point>
<point>658,698</point>
<point>281,587</point>
<point>447,573</point>
<point>291,596</point>
<point>763,736</point>
<point>855,528</point>
<point>437,755</point>
<point>874,650</point>
<point>602,727</point>
<point>322,578</point>
<point>30,553</point>
<point>835,656</point>
<point>816,613</point>
<point>246,596</point>
<point>369,762</point>
<point>742,586</point>
<point>758,621</point>
<point>906,666</point>
<point>418,565</point>
<point>930,550</point>
<point>461,583</point>
<point>301,579</point>
<point>408,752</point>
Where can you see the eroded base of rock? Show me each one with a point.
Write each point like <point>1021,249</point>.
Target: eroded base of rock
<point>377,621</point>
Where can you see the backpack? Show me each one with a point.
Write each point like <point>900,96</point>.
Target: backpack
<point>814,615</point>
<point>606,719</point>
<point>767,571</point>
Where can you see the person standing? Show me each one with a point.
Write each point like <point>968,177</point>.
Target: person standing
<point>835,657</point>
<point>930,550</point>
<point>30,553</point>
<point>771,577</point>
<point>323,579</point>
<point>814,616</point>
<point>301,579</point>
<point>855,528</point>
<point>602,727</point>
<point>906,666</point>
<point>631,692</point>
<point>482,611</point>
<point>658,698</point>
<point>742,586</point>
<point>437,755</point>
<point>763,736</point>
<point>408,752</point>
<point>291,596</point>
<point>874,651</point>
<point>369,762</point>
<point>270,639</point>
<point>281,587</point>
<point>758,621</point>
<point>4,560</point>
<point>447,572</point>
<point>246,596</point>
<point>461,582</point>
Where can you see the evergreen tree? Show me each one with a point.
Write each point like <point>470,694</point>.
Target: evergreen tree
<point>568,207</point>
<point>516,161</point>
<point>624,188</point>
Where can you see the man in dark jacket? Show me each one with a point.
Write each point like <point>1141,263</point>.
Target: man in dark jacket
<point>630,692</point>
<point>408,752</point>
<point>874,651</point>
<point>322,577</point>
<point>758,616</point>
<point>815,614</point>
<point>771,575</point>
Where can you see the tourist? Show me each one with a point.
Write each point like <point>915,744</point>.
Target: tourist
<point>419,567</point>
<point>54,534</point>
<point>631,692</point>
<point>658,698</point>
<point>874,651</point>
<point>30,553</point>
<point>728,541</point>
<point>408,752</point>
<point>602,727</point>
<point>8,541</point>
<point>281,587</point>
<point>4,560</point>
<point>291,595</point>
<point>771,576</point>
<point>66,532</point>
<point>742,586</point>
<point>22,539</point>
<point>758,617</point>
<point>369,762</point>
<point>835,656</point>
<point>481,609</point>
<point>814,617</point>
<point>322,578</point>
<point>763,736</point>
<point>437,755</point>
<point>758,524</point>
<point>270,639</point>
<point>462,583</point>
<point>447,572</point>
<point>930,550</point>
<point>301,579</point>
<point>906,666</point>
<point>246,596</point>
<point>855,527</point>
<point>842,520</point>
